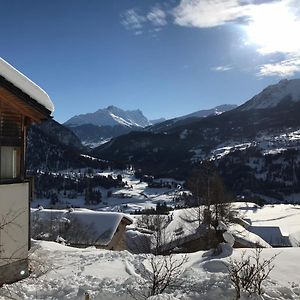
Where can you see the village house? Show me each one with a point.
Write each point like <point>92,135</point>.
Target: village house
<point>22,103</point>
<point>81,227</point>
<point>184,233</point>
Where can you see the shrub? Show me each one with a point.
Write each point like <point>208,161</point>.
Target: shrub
<point>248,273</point>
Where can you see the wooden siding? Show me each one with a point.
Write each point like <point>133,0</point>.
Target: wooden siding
<point>11,103</point>
<point>11,126</point>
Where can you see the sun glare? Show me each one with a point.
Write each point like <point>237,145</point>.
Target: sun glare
<point>274,28</point>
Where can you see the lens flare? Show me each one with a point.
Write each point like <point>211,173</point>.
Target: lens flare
<point>274,28</point>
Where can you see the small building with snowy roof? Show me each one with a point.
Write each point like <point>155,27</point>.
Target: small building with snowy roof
<point>22,103</point>
<point>272,235</point>
<point>185,232</point>
<point>81,227</point>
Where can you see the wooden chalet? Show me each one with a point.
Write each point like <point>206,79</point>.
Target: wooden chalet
<point>22,103</point>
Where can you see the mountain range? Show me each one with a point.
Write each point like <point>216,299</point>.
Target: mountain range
<point>110,116</point>
<point>94,129</point>
<point>274,95</point>
<point>256,146</point>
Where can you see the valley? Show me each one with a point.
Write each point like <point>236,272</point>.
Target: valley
<point>85,173</point>
<point>150,150</point>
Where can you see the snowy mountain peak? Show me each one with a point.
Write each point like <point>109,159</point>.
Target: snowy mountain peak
<point>111,116</point>
<point>284,90</point>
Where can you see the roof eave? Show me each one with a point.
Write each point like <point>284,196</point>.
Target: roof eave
<point>26,98</point>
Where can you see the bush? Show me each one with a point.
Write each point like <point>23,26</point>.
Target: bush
<point>248,273</point>
<point>163,274</point>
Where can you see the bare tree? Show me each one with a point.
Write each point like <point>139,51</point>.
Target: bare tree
<point>156,223</point>
<point>199,184</point>
<point>209,194</point>
<point>249,272</point>
<point>212,203</point>
<point>164,274</point>
<point>37,267</point>
<point>220,201</point>
<point>13,250</point>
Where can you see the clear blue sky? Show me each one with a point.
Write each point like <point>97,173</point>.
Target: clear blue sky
<point>167,58</point>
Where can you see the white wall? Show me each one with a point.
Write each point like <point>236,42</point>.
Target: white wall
<point>14,214</point>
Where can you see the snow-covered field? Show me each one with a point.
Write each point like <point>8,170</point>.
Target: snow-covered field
<point>286,217</point>
<point>136,195</point>
<point>265,143</point>
<point>61,272</point>
<point>276,224</point>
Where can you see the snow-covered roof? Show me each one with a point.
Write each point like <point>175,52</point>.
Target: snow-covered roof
<point>271,234</point>
<point>25,84</point>
<point>85,226</point>
<point>185,227</point>
<point>247,238</point>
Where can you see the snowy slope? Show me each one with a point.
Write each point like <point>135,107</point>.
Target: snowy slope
<point>277,224</point>
<point>136,195</point>
<point>275,94</point>
<point>209,112</point>
<point>61,272</point>
<point>111,116</point>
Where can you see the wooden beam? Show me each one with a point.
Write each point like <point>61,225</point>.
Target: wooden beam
<point>10,100</point>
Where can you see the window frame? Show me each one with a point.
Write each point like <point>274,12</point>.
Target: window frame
<point>16,166</point>
<point>12,134</point>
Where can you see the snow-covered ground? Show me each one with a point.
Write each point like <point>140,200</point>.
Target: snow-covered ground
<point>136,195</point>
<point>61,272</point>
<point>264,142</point>
<point>95,144</point>
<point>183,225</point>
<point>284,216</point>
<point>278,224</point>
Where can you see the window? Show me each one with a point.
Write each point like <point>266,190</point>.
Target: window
<point>10,146</point>
<point>9,162</point>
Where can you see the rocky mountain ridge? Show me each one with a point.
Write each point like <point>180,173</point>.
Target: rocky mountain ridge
<point>110,116</point>
<point>95,129</point>
<point>273,95</point>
